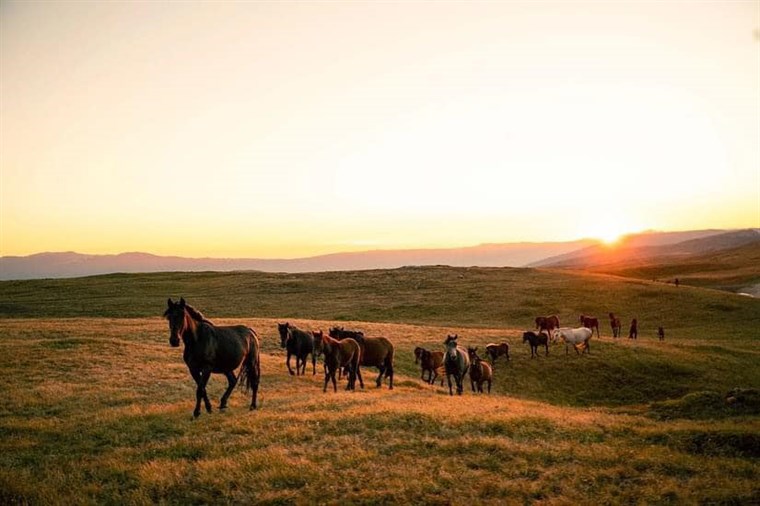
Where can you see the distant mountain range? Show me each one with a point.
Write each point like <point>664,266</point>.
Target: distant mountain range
<point>583,254</point>
<point>69,264</point>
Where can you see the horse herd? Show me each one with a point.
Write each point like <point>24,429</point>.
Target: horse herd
<point>218,349</point>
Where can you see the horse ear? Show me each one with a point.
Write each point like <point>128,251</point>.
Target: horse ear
<point>181,302</point>
<point>169,302</point>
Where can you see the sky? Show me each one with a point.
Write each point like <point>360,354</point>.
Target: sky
<point>289,129</point>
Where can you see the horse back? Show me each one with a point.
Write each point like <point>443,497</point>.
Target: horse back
<point>377,351</point>
<point>222,348</point>
<point>302,342</point>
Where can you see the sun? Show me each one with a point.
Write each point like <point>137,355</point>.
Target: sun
<point>609,227</point>
<point>609,236</point>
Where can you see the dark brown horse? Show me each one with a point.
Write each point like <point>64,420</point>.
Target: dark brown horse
<point>299,343</point>
<point>340,354</point>
<point>536,340</point>
<point>431,362</point>
<point>376,352</point>
<point>214,349</point>
<point>661,333</point>
<point>497,350</point>
<point>616,325</point>
<point>480,371</point>
<point>590,323</point>
<point>547,323</point>
<point>633,333</point>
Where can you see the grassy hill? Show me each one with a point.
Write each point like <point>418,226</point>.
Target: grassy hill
<point>487,297</point>
<point>735,269</point>
<point>97,406</point>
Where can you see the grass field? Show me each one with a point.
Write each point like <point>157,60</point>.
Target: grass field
<point>733,270</point>
<point>98,405</point>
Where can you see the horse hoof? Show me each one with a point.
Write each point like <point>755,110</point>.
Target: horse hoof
<point>222,409</point>
<point>292,373</point>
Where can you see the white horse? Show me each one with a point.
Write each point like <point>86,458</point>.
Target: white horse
<point>579,338</point>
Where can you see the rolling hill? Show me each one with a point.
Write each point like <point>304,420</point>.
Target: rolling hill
<point>646,246</point>
<point>97,404</point>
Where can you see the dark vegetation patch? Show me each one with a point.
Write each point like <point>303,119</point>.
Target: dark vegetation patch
<point>714,443</point>
<point>708,405</point>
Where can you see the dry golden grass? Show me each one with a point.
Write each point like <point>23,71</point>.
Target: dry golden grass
<point>97,410</point>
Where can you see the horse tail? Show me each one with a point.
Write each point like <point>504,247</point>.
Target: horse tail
<point>251,368</point>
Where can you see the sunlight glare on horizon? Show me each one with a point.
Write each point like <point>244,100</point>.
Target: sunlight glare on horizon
<point>287,130</point>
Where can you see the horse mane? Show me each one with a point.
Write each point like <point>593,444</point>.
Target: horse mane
<point>196,315</point>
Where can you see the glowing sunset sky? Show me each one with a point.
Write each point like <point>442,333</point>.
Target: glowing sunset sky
<point>293,129</point>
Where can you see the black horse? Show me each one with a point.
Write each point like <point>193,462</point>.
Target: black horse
<point>535,341</point>
<point>299,343</point>
<point>213,349</point>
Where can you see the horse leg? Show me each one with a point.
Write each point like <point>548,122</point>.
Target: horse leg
<point>460,384</point>
<point>489,386</point>
<point>287,362</point>
<point>231,382</point>
<point>379,380</point>
<point>389,375</point>
<point>359,375</point>
<point>200,391</point>
<point>327,379</point>
<point>448,377</point>
<point>313,363</point>
<point>351,378</point>
<point>547,350</point>
<point>206,374</point>
<point>201,379</point>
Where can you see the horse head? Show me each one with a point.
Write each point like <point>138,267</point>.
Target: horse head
<point>473,353</point>
<point>317,341</point>
<point>451,346</point>
<point>418,354</point>
<point>285,333</point>
<point>177,316</point>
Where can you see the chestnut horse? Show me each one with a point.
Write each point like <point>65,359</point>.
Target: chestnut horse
<point>547,323</point>
<point>590,323</point>
<point>480,371</point>
<point>616,325</point>
<point>214,349</point>
<point>376,352</point>
<point>339,354</point>
<point>431,362</point>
